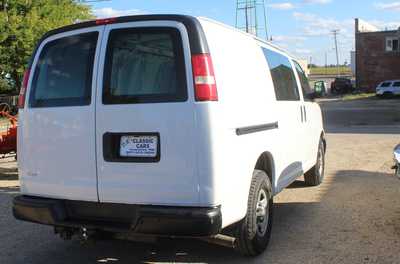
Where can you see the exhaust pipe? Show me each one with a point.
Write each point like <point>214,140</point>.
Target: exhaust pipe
<point>221,240</point>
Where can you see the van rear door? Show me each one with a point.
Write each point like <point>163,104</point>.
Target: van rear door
<point>145,115</point>
<point>57,130</point>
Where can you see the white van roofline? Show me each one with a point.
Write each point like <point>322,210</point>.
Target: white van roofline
<point>269,43</point>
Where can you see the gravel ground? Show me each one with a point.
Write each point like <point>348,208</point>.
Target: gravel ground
<point>353,217</point>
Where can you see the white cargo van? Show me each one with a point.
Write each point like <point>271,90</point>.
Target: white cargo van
<point>163,125</point>
<point>388,88</point>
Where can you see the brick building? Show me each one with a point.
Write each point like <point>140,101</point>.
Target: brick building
<point>377,55</point>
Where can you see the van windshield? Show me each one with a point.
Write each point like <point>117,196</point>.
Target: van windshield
<point>144,65</point>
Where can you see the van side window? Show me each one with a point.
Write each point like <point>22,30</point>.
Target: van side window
<point>63,74</point>
<point>305,84</point>
<point>283,76</point>
<point>144,66</point>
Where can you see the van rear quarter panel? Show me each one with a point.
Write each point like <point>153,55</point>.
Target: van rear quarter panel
<point>246,98</point>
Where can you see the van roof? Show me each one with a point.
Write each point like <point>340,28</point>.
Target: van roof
<point>269,43</point>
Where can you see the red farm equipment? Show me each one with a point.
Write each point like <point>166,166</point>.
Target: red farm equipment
<point>8,131</point>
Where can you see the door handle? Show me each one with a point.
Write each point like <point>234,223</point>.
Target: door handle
<point>302,114</point>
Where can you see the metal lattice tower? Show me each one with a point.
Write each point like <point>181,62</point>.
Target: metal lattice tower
<point>251,16</point>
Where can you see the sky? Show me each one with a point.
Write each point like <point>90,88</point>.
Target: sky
<point>302,27</point>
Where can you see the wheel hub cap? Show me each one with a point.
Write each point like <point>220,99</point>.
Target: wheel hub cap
<point>320,163</point>
<point>262,213</point>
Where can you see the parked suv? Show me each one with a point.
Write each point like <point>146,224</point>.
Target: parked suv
<point>163,125</point>
<point>341,86</point>
<point>388,88</point>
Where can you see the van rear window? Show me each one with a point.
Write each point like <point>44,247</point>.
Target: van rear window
<point>144,65</point>
<point>63,74</point>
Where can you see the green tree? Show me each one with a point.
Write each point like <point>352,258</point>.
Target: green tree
<point>22,24</point>
<point>5,85</point>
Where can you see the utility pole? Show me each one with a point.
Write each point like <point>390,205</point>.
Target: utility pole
<point>251,16</point>
<point>246,11</point>
<point>326,62</point>
<point>335,34</point>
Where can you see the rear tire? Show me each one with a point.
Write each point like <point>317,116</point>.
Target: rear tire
<point>254,231</point>
<point>387,95</point>
<point>315,176</point>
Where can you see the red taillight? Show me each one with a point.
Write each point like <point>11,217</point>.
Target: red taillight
<point>22,92</point>
<point>106,21</point>
<point>204,79</point>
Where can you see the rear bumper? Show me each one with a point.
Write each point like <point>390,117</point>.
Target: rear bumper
<point>154,220</point>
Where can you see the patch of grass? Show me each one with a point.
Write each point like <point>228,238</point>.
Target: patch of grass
<point>343,70</point>
<point>348,97</point>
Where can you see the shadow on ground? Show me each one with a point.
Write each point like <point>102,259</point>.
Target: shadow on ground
<point>297,185</point>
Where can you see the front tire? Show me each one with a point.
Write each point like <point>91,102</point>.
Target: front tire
<point>387,95</point>
<point>315,176</point>
<point>254,231</point>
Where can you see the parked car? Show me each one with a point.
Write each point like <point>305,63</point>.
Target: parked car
<point>396,167</point>
<point>341,86</point>
<point>388,88</point>
<point>320,88</point>
<point>163,125</point>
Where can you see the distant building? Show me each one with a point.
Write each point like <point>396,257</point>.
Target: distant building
<point>377,55</point>
<point>353,62</point>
